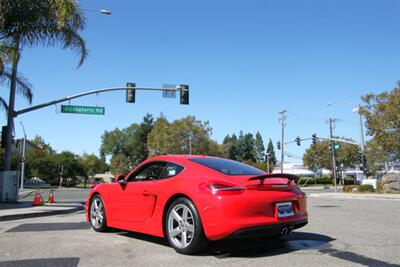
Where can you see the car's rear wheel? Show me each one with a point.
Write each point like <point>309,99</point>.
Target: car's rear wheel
<point>97,214</point>
<point>183,227</point>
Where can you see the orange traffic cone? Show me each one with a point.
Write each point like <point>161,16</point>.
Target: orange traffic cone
<point>37,200</point>
<point>51,197</point>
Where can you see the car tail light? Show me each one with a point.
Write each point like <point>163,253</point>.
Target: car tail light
<point>221,188</point>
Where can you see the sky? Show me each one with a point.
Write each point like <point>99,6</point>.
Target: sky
<point>245,61</point>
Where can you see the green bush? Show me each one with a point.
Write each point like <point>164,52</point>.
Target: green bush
<point>365,188</point>
<point>348,180</point>
<point>260,165</point>
<point>311,181</point>
<point>324,180</point>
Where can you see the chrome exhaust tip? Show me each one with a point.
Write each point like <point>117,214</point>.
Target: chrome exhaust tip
<point>284,231</point>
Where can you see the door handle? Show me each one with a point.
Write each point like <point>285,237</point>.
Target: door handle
<point>146,193</point>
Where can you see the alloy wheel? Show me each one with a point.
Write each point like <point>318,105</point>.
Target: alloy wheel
<point>97,213</point>
<point>181,227</point>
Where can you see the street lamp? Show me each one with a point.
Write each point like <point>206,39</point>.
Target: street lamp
<point>101,11</point>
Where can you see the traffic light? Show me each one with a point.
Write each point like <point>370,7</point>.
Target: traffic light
<point>3,136</point>
<point>298,140</point>
<point>314,139</point>
<point>184,89</point>
<point>278,145</point>
<point>60,168</point>
<point>130,93</point>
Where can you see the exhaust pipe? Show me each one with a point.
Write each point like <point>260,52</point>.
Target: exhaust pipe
<point>286,230</point>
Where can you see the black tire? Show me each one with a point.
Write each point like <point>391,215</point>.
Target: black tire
<point>195,237</point>
<point>96,213</point>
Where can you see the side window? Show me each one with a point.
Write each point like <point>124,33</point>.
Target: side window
<point>151,171</point>
<point>171,170</point>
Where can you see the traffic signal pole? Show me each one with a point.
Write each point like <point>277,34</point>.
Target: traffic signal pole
<point>11,196</point>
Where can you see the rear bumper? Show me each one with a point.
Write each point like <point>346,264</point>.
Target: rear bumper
<point>266,230</point>
<point>253,213</point>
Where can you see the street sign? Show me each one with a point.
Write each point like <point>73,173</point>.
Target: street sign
<point>169,91</point>
<point>337,146</point>
<point>82,110</point>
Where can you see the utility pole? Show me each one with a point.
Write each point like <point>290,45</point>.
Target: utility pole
<point>283,124</point>
<point>23,158</point>
<point>267,155</point>
<point>331,121</point>
<point>360,123</point>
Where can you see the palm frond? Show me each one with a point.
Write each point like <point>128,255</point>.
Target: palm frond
<point>76,43</point>
<point>44,22</point>
<point>23,86</point>
<point>3,105</point>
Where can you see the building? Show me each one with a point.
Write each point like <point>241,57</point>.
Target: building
<point>103,178</point>
<point>293,168</point>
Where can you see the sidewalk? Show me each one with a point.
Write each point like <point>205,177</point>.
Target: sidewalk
<point>24,210</point>
<point>375,196</point>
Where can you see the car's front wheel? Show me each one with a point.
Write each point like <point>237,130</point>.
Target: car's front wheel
<point>183,227</point>
<point>97,214</point>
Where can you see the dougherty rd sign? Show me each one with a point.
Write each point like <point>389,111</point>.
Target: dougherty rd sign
<point>82,110</point>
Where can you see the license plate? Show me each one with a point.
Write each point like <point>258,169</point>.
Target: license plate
<point>284,209</point>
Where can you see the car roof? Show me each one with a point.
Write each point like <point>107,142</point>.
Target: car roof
<point>176,158</point>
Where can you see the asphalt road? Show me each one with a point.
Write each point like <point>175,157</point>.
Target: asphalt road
<point>63,195</point>
<point>80,194</point>
<point>340,233</point>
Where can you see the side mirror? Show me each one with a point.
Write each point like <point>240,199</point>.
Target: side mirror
<point>120,179</point>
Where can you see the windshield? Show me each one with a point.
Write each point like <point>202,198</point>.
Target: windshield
<point>228,167</point>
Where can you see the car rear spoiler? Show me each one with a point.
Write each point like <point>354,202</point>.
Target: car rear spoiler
<point>262,177</point>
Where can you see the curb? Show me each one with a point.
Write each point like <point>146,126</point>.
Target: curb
<point>353,197</point>
<point>40,214</point>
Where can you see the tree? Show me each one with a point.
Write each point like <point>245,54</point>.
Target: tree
<point>26,23</point>
<point>318,155</point>
<point>271,154</point>
<point>232,147</point>
<point>92,164</point>
<point>115,142</point>
<point>72,167</point>
<point>259,147</point>
<point>120,165</point>
<point>383,124</point>
<point>247,150</point>
<point>41,144</point>
<point>23,87</point>
<point>41,164</point>
<point>130,142</point>
<point>347,155</point>
<point>140,139</point>
<point>174,137</point>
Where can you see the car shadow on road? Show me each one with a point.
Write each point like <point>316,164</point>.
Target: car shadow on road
<point>250,247</point>
<point>267,246</point>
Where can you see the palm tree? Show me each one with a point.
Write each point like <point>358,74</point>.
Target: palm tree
<point>22,84</point>
<point>29,23</point>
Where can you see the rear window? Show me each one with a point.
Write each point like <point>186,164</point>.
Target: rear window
<point>228,167</point>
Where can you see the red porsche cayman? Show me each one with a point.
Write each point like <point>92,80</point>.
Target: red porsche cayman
<point>192,199</point>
